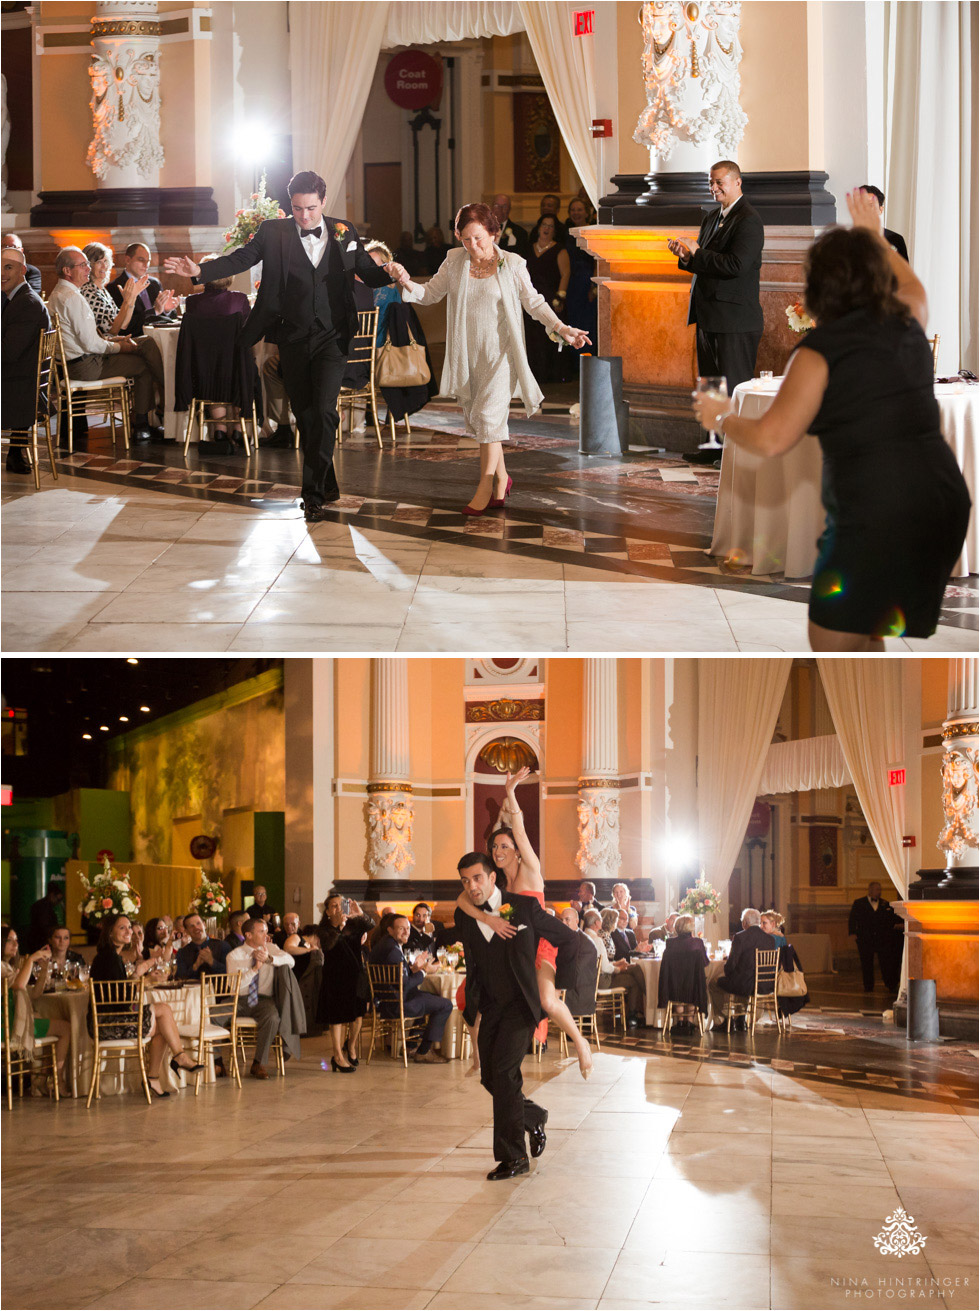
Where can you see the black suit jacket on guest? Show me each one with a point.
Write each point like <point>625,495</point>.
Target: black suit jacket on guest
<point>25,317</point>
<point>725,290</point>
<point>134,328</point>
<point>276,245</point>
<point>740,966</point>
<point>897,242</point>
<point>34,278</point>
<point>870,926</point>
<point>622,944</point>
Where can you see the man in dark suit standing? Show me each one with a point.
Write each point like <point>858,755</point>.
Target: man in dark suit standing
<point>306,306</point>
<point>11,241</point>
<point>724,304</point>
<point>25,317</point>
<point>894,239</point>
<point>739,976</point>
<point>876,927</point>
<point>501,986</point>
<point>512,236</point>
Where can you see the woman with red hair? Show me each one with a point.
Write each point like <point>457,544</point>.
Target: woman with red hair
<point>486,357</point>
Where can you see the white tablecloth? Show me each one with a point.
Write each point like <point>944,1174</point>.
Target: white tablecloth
<point>446,984</point>
<point>769,512</point>
<point>651,972</point>
<point>166,339</point>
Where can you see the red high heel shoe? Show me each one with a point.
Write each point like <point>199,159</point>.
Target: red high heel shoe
<point>468,509</point>
<point>496,503</point>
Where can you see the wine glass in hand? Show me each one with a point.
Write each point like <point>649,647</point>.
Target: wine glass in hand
<point>713,389</point>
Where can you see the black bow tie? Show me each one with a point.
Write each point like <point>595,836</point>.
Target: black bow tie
<point>312,232</point>
<point>487,907</point>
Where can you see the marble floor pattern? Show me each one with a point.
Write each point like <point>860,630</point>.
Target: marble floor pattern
<point>667,1182</point>
<point>98,566</point>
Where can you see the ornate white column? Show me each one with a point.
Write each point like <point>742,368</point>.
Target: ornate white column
<point>691,54</point>
<point>598,797</point>
<point>958,839</point>
<point>390,809</point>
<point>125,150</point>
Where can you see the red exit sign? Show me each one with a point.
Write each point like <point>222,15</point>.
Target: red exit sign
<point>583,21</point>
<point>896,777</point>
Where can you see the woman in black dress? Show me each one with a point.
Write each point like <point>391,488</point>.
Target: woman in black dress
<point>341,1005</point>
<point>581,303</point>
<point>211,364</point>
<point>549,269</point>
<point>862,380</point>
<point>159,1024</point>
<point>682,980</point>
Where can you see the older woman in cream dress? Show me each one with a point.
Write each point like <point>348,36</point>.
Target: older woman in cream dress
<point>486,359</point>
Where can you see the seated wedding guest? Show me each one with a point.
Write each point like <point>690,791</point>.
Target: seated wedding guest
<point>617,974</point>
<point>44,916</point>
<point>570,916</point>
<point>343,988</point>
<point>422,931</point>
<point>384,297</point>
<point>158,940</point>
<point>212,364</point>
<point>261,907</point>
<point>202,955</point>
<point>380,930</point>
<point>682,976</point>
<point>739,977</point>
<point>620,935</point>
<point>894,239</point>
<point>115,937</point>
<point>896,501</point>
<point>179,936</point>
<point>257,960</point>
<point>110,318</point>
<point>291,939</point>
<point>234,937</point>
<point>61,953</point>
<point>25,318</point>
<point>390,951</point>
<point>88,354</point>
<point>620,897</point>
<point>665,930</point>
<point>25,1025</point>
<point>584,899</point>
<point>772,922</point>
<point>436,250</point>
<point>151,301</point>
<point>633,932</point>
<point>11,241</point>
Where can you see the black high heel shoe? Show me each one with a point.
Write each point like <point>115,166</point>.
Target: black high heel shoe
<point>351,1057</point>
<point>340,1069</point>
<point>185,1069</point>
<point>149,1084</point>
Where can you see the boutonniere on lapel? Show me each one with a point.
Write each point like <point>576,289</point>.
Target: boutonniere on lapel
<point>500,264</point>
<point>341,232</point>
<point>506,913</point>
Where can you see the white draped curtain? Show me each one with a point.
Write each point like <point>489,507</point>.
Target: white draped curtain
<point>931,173</point>
<point>803,766</point>
<point>566,63</point>
<point>420,22</point>
<point>738,704</point>
<point>333,52</point>
<point>865,699</point>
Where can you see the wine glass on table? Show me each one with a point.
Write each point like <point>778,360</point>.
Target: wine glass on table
<point>716,389</point>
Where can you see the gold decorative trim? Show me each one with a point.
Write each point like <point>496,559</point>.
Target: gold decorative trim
<point>124,27</point>
<point>967,729</point>
<point>387,786</point>
<point>600,782</point>
<point>503,710</point>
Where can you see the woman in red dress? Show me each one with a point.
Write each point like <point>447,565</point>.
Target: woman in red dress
<point>515,858</point>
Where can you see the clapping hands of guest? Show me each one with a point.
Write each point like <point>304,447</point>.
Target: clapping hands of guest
<point>682,249</point>
<point>204,957</point>
<point>165,303</point>
<point>134,287</point>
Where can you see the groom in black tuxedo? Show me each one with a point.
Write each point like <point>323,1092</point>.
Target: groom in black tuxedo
<point>305,305</point>
<point>724,303</point>
<point>501,985</point>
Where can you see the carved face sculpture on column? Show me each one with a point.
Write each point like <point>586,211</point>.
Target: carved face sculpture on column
<point>690,71</point>
<point>598,834</point>
<point>391,818</point>
<point>958,838</point>
<point>125,73</point>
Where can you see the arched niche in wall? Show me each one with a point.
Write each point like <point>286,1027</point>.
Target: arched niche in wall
<point>492,752</point>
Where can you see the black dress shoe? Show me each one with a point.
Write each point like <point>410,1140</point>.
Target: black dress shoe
<point>510,1169</point>
<point>281,440</point>
<point>17,461</point>
<point>538,1140</point>
<point>703,457</point>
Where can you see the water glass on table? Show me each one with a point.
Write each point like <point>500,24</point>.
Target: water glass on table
<point>715,389</point>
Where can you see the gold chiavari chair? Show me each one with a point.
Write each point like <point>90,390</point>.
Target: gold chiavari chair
<point>613,1001</point>
<point>114,1002</point>
<point>17,1061</point>
<point>245,1032</point>
<point>219,1021</point>
<point>46,349</point>
<point>764,993</point>
<point>385,982</point>
<point>586,1023</point>
<point>363,350</point>
<point>934,343</point>
<point>100,396</point>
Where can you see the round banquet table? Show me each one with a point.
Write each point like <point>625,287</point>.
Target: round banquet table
<point>117,1076</point>
<point>445,983</point>
<point>769,514</point>
<point>651,972</point>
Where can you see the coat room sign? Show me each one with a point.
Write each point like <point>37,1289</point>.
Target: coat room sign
<point>413,79</point>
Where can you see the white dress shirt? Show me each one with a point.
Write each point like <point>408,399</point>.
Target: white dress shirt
<point>243,958</point>
<point>315,246</point>
<point>725,212</point>
<point>493,901</point>
<point>78,330</point>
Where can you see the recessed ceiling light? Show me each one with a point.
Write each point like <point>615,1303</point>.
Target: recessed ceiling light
<point>145,709</point>
<point>103,728</point>
<point>124,719</point>
<point>132,661</point>
<point>86,737</point>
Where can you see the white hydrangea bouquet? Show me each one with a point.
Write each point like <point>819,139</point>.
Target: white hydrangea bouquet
<point>797,317</point>
<point>108,893</point>
<point>210,900</point>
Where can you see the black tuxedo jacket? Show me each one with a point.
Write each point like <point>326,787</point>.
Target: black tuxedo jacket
<point>740,966</point>
<point>897,242</point>
<point>275,245</point>
<point>725,290</point>
<point>870,926</point>
<point>513,237</point>
<point>134,328</point>
<point>25,317</point>
<point>532,922</point>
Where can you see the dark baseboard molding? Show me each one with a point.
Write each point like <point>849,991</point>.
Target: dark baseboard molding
<point>946,885</point>
<point>433,890</point>
<point>144,207</point>
<point>783,199</point>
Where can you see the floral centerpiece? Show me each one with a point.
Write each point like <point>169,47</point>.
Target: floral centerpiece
<point>798,319</point>
<point>108,893</point>
<point>700,900</point>
<point>210,900</point>
<point>247,221</point>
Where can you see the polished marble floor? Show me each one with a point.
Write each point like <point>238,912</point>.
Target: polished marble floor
<point>731,1173</point>
<point>103,562</point>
